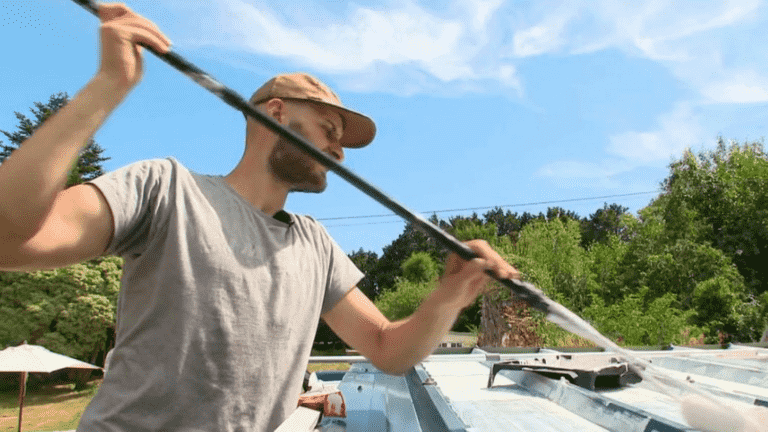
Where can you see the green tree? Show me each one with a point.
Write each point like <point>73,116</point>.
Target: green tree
<point>723,195</point>
<point>507,224</point>
<point>605,263</point>
<point>551,257</point>
<point>561,213</point>
<point>640,320</point>
<point>89,164</point>
<point>389,267</point>
<point>404,299</point>
<point>420,271</point>
<point>672,249</point>
<point>366,261</point>
<point>672,259</point>
<point>717,303</point>
<point>69,310</point>
<point>420,267</point>
<point>472,228</point>
<point>602,224</point>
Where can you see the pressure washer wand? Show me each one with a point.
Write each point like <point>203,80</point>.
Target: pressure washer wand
<point>523,290</point>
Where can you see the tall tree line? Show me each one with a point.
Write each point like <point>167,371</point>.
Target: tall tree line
<point>687,268</point>
<point>89,164</point>
<point>69,310</point>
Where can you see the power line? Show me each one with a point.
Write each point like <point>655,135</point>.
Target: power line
<point>483,208</point>
<point>367,223</point>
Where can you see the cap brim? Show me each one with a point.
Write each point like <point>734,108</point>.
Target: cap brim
<point>359,130</point>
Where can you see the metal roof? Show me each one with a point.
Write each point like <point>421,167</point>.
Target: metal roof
<point>451,393</point>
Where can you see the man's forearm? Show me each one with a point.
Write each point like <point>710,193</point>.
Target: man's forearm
<point>35,173</point>
<point>406,342</point>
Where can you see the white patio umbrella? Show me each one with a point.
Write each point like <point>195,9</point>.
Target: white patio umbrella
<point>33,358</point>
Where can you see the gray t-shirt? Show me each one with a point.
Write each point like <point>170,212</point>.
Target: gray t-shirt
<point>218,307</point>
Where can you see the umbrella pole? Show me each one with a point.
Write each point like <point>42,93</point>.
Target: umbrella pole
<point>22,392</point>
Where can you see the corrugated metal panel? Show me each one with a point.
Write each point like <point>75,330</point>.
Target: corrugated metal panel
<point>449,392</point>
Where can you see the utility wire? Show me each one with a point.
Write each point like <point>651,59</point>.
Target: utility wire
<point>367,223</point>
<point>480,208</point>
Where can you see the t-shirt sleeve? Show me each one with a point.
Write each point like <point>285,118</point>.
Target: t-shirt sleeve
<point>343,276</point>
<point>138,196</point>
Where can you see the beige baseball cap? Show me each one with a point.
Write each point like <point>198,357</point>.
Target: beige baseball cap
<point>359,130</point>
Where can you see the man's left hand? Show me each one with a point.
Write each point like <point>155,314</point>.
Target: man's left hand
<point>464,280</point>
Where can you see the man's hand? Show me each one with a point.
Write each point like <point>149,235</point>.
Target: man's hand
<point>463,280</point>
<point>41,225</point>
<point>395,347</point>
<point>122,30</point>
<point>708,415</point>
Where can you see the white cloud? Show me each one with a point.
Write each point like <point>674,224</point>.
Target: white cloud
<point>543,37</point>
<point>677,131</point>
<point>477,44</point>
<point>580,175</point>
<point>743,87</point>
<point>508,74</point>
<point>738,93</point>
<point>483,11</point>
<point>659,30</point>
<point>536,40</point>
<point>687,37</point>
<point>648,26</point>
<point>365,39</point>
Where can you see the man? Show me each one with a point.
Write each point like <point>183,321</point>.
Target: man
<point>222,289</point>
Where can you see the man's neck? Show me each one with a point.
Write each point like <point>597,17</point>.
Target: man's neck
<point>259,188</point>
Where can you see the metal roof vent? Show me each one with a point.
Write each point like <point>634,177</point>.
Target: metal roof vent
<point>588,372</point>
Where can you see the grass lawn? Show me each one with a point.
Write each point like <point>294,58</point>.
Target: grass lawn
<point>314,367</point>
<point>46,408</point>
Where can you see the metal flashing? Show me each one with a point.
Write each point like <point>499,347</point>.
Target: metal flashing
<point>434,413</point>
<point>611,414</point>
<point>449,392</point>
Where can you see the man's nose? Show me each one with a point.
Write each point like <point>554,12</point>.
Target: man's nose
<point>337,151</point>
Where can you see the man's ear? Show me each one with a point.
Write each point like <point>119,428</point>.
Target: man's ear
<point>275,108</point>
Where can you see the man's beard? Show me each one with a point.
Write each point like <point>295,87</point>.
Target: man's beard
<point>295,167</point>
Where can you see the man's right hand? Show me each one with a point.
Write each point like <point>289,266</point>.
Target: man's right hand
<point>42,225</point>
<point>122,32</point>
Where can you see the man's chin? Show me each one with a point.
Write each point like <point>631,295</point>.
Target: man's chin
<point>316,186</point>
<point>305,189</point>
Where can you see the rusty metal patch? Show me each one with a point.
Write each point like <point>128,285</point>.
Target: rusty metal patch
<point>330,403</point>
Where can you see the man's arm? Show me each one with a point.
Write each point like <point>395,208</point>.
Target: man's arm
<point>40,222</point>
<point>78,227</point>
<point>394,347</point>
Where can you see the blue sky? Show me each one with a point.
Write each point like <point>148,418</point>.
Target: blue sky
<point>478,103</point>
